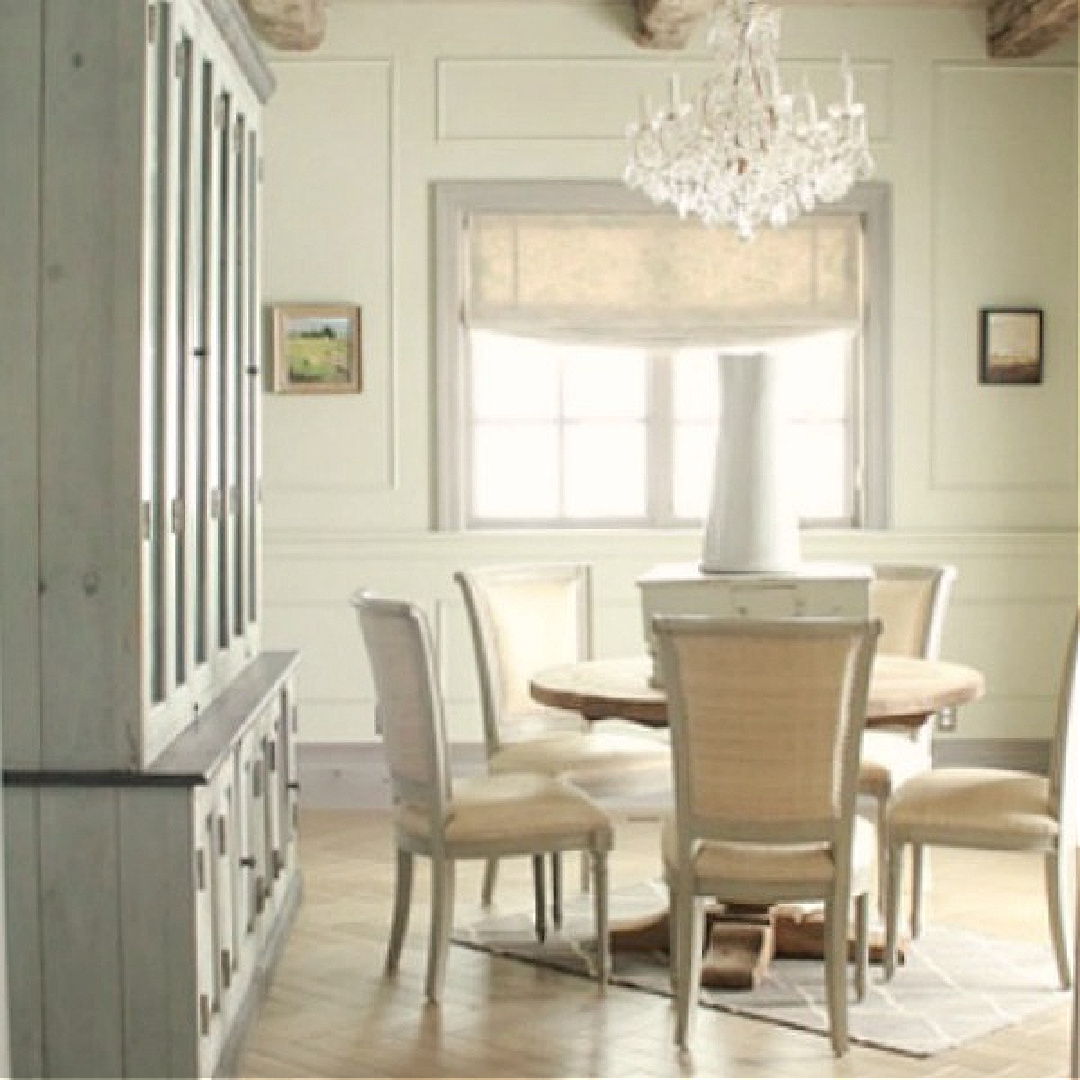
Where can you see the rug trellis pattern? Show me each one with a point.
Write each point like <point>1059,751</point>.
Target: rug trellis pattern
<point>955,985</point>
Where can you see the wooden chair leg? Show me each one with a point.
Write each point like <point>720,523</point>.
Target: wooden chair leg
<point>689,916</point>
<point>862,944</point>
<point>487,886</point>
<point>556,889</point>
<point>539,900</point>
<point>403,878</point>
<point>1060,897</point>
<point>917,854</point>
<point>600,909</point>
<point>836,958</point>
<point>892,907</point>
<point>442,915</point>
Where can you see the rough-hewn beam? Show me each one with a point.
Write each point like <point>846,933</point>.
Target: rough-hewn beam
<point>1027,27</point>
<point>296,25</point>
<point>668,24</point>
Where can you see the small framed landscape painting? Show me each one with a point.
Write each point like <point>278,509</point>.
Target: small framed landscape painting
<point>316,348</point>
<point>1010,345</point>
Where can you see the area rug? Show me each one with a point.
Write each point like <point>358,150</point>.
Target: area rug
<point>954,986</point>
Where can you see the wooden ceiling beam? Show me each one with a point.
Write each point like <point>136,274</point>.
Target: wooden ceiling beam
<point>293,25</point>
<point>668,24</point>
<point>1022,28</point>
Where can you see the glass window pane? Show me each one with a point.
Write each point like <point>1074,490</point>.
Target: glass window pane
<point>693,457</point>
<point>515,471</point>
<point>695,375</point>
<point>600,382</point>
<point>818,452</point>
<point>513,378</point>
<point>604,474</point>
<point>816,378</point>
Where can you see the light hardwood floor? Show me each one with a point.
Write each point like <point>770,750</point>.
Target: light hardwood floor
<point>331,1012</point>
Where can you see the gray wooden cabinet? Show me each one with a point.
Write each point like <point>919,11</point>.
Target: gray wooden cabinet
<point>149,790</point>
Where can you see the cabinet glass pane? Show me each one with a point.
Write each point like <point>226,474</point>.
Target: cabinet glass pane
<point>202,285</point>
<point>252,383</point>
<point>181,399</point>
<point>238,279</point>
<point>225,365</point>
<point>156,522</point>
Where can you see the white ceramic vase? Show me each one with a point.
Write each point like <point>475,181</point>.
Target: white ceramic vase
<point>753,524</point>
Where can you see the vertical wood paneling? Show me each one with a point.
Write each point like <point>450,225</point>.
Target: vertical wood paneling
<point>20,86</point>
<point>22,888</point>
<point>158,921</point>
<point>91,252</point>
<point>82,955</point>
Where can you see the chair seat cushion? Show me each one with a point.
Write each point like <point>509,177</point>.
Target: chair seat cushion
<point>991,807</point>
<point>889,759</point>
<point>602,763</point>
<point>720,863</point>
<point>532,809</point>
<point>538,722</point>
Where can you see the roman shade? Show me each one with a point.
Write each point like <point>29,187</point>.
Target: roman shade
<point>648,278</point>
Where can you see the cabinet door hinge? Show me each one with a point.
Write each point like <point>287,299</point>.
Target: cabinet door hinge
<point>200,870</point>
<point>151,24</point>
<point>146,519</point>
<point>223,837</point>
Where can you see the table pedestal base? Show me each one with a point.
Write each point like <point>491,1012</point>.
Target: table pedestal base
<point>742,940</point>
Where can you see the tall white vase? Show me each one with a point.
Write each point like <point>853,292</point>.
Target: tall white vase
<point>753,525</point>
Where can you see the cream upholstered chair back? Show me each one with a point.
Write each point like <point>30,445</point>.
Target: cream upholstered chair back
<point>1063,747</point>
<point>911,601</point>
<point>523,618</point>
<point>408,707</point>
<point>766,718</point>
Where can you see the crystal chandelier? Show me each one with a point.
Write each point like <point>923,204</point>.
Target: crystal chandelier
<point>744,152</point>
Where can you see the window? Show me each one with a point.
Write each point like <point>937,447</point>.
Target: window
<point>578,333</point>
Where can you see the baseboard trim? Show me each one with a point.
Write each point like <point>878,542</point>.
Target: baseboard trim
<point>1030,755</point>
<point>353,775</point>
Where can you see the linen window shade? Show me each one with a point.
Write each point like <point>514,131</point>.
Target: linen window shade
<point>651,279</point>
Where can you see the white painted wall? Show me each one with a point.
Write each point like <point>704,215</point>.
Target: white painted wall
<point>982,160</point>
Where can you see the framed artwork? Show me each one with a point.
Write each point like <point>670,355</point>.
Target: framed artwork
<point>316,349</point>
<point>1010,345</point>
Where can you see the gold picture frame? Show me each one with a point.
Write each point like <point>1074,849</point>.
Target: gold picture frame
<point>1010,345</point>
<point>316,348</point>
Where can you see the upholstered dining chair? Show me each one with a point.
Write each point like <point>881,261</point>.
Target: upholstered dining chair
<point>525,617</point>
<point>995,809</point>
<point>511,813</point>
<point>911,601</point>
<point>766,717</point>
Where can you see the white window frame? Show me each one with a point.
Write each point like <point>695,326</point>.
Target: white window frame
<point>455,200</point>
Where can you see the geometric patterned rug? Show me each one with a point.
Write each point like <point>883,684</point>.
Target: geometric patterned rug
<point>954,985</point>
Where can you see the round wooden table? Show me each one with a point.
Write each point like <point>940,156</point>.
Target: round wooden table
<point>904,690</point>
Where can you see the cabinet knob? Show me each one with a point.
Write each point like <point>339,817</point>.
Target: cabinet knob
<point>248,861</point>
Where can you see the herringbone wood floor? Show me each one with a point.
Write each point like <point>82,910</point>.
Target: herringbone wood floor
<point>331,1012</point>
